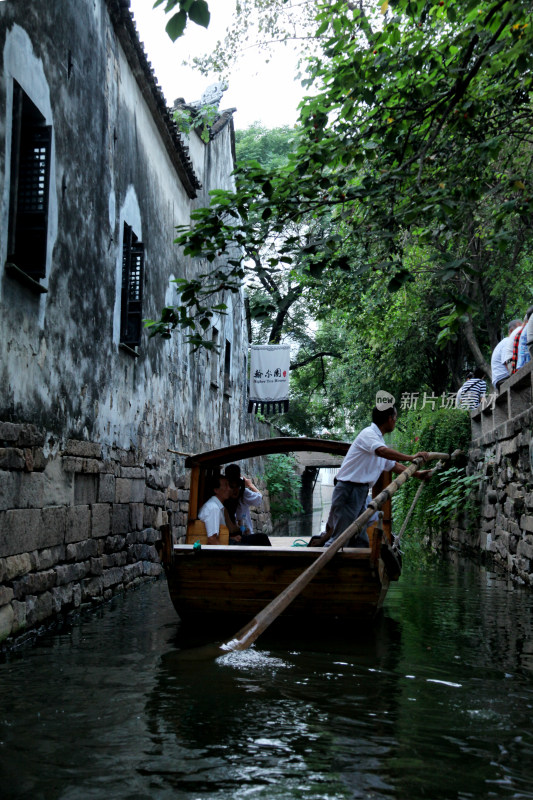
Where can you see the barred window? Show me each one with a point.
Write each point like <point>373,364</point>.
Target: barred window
<point>132,289</point>
<point>29,189</point>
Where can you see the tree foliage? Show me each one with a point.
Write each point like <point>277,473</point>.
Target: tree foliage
<point>194,10</point>
<point>400,218</point>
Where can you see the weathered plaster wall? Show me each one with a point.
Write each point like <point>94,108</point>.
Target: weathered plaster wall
<point>502,453</point>
<point>86,476</point>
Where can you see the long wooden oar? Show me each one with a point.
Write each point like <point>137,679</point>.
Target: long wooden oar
<point>247,635</point>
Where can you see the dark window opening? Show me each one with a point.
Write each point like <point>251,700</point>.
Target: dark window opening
<point>227,367</point>
<point>214,358</point>
<point>30,181</point>
<point>132,289</point>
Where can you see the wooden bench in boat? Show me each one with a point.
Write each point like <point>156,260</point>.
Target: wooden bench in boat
<point>196,532</point>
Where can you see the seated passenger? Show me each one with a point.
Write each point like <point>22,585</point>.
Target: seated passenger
<point>212,512</point>
<point>243,495</point>
<point>472,391</point>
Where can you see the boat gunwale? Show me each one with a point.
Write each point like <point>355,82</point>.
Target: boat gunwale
<point>359,553</point>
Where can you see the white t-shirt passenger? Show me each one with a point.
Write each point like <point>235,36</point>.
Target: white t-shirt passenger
<point>497,362</point>
<point>212,514</point>
<point>361,464</point>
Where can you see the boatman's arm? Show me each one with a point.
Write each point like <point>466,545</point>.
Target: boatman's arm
<point>388,452</point>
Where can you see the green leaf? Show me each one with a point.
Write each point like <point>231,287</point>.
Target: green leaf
<point>199,13</point>
<point>176,25</point>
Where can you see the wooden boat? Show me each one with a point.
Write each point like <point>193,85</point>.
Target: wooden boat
<point>232,583</point>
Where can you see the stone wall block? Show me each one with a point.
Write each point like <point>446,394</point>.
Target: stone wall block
<point>22,531</point>
<point>155,498</point>
<point>34,583</point>
<point>81,551</point>
<point>525,548</point>
<point>183,494</point>
<point>71,464</point>
<point>515,491</point>
<point>12,458</point>
<point>6,621</point>
<point>85,489</point>
<point>6,595</point>
<point>150,517</point>
<point>136,516</point>
<point>100,520</point>
<point>67,573</point>
<point>111,577</point>
<point>106,488</point>
<point>39,459</point>
<point>173,494</point>
<point>134,473</point>
<point>9,432</point>
<point>15,566</point>
<point>92,588</point>
<point>38,608</point>
<point>54,524</point>
<point>152,570</point>
<point>9,489</point>
<point>61,597</point>
<point>132,571</point>
<point>76,595</point>
<point>120,520</point>
<point>526,523</point>
<point>77,524</point>
<point>143,552</point>
<point>152,535</point>
<point>46,559</point>
<point>129,490</point>
<point>76,447</point>
<point>97,565</point>
<point>114,544</point>
<point>19,616</point>
<point>509,447</point>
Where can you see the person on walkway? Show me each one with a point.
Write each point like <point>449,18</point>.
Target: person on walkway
<point>212,512</point>
<point>243,495</point>
<point>500,355</point>
<point>362,465</point>
<point>523,355</point>
<point>472,391</point>
<point>529,336</point>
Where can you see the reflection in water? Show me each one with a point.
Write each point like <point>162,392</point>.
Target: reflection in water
<point>436,702</point>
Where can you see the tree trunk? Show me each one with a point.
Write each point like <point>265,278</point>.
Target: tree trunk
<point>470,336</point>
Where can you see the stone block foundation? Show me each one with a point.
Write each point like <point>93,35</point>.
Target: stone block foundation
<point>77,524</point>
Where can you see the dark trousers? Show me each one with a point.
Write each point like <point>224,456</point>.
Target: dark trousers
<point>347,503</point>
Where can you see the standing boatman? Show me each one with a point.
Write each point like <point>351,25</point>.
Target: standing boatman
<point>364,462</point>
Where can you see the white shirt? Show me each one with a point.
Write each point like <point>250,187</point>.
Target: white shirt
<point>361,464</point>
<point>212,514</point>
<point>529,330</point>
<point>248,499</point>
<point>497,362</point>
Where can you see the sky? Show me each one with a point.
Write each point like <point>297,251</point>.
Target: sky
<point>260,92</point>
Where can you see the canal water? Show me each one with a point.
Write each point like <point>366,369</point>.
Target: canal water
<point>436,702</point>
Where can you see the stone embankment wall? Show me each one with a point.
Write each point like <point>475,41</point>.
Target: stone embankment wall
<point>80,523</point>
<point>76,526</point>
<point>502,453</point>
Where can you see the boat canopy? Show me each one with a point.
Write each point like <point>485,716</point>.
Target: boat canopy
<point>264,447</point>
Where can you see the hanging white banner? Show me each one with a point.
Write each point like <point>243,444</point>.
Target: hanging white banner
<point>269,377</point>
